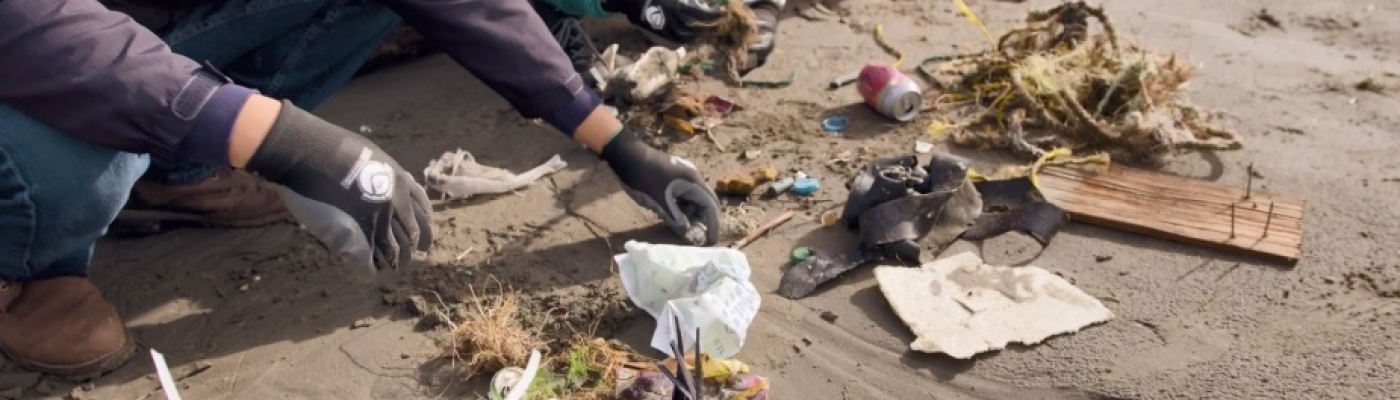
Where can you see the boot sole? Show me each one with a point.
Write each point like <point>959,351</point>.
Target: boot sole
<point>85,371</point>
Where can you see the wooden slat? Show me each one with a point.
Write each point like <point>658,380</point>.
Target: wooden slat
<point>1180,209</point>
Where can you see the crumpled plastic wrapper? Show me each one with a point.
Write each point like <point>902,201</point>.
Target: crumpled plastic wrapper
<point>458,176</point>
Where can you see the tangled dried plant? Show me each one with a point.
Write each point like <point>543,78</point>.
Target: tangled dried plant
<point>731,36</point>
<point>490,336</point>
<point>1052,85</point>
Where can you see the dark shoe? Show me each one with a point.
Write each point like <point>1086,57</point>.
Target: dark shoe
<point>62,326</point>
<point>568,31</point>
<point>230,198</point>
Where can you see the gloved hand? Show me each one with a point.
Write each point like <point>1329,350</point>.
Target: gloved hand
<point>670,19</point>
<point>666,184</point>
<point>352,175</point>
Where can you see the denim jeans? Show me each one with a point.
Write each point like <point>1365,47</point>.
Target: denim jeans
<point>52,212</point>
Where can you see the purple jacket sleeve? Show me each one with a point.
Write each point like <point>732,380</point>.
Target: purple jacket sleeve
<point>96,74</point>
<point>507,46</point>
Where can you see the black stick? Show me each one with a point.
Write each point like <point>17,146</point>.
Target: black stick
<point>1269,219</point>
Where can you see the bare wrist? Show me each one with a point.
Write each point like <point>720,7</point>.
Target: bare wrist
<point>251,127</point>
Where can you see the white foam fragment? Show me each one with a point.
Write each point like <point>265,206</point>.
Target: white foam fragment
<point>961,306</point>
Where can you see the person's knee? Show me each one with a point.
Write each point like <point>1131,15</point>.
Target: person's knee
<point>58,194</point>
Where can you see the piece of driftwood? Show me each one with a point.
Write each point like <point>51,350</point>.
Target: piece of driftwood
<point>1237,219</point>
<point>762,230</point>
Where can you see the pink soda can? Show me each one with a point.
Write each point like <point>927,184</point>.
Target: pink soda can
<point>890,92</point>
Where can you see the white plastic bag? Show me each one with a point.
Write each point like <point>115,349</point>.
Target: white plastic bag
<point>705,287</point>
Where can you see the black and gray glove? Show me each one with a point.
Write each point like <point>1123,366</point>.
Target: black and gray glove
<point>676,21</point>
<point>673,20</point>
<point>347,172</point>
<point>666,184</point>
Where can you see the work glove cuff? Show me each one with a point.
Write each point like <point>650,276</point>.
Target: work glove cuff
<point>297,139</point>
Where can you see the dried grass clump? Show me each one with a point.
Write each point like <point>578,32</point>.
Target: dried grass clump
<point>490,336</point>
<point>1051,85</point>
<point>731,36</point>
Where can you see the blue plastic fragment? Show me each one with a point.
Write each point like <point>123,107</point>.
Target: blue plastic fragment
<point>805,187</point>
<point>835,123</point>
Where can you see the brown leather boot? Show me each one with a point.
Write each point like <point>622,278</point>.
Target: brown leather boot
<point>62,326</point>
<point>230,198</point>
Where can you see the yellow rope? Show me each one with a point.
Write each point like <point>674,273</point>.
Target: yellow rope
<point>884,44</point>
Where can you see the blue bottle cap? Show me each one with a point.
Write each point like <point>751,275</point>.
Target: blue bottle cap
<point>805,187</point>
<point>835,123</point>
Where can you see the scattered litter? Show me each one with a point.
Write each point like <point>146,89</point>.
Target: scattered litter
<point>771,84</point>
<point>1052,85</point>
<point>844,80</point>
<point>527,377</point>
<point>362,323</point>
<point>744,183</point>
<point>706,288</point>
<point>830,218</point>
<point>923,147</point>
<point>1208,214</point>
<point>835,124</point>
<point>780,186</point>
<point>504,380</point>
<point>720,106</point>
<point>898,208</point>
<point>960,306</point>
<point>799,175</point>
<point>671,379</point>
<point>458,176</point>
<point>805,186</point>
<point>752,154</point>
<point>1015,205</point>
<point>890,92</point>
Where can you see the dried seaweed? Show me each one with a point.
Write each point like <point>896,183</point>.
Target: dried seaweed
<point>1052,84</point>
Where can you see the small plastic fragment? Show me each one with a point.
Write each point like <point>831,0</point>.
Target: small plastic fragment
<point>782,185</point>
<point>922,147</point>
<point>805,186</point>
<point>801,253</point>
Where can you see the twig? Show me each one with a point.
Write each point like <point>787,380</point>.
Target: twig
<point>762,230</point>
<point>710,134</point>
<point>464,253</point>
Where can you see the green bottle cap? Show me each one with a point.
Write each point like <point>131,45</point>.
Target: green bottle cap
<point>801,254</point>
